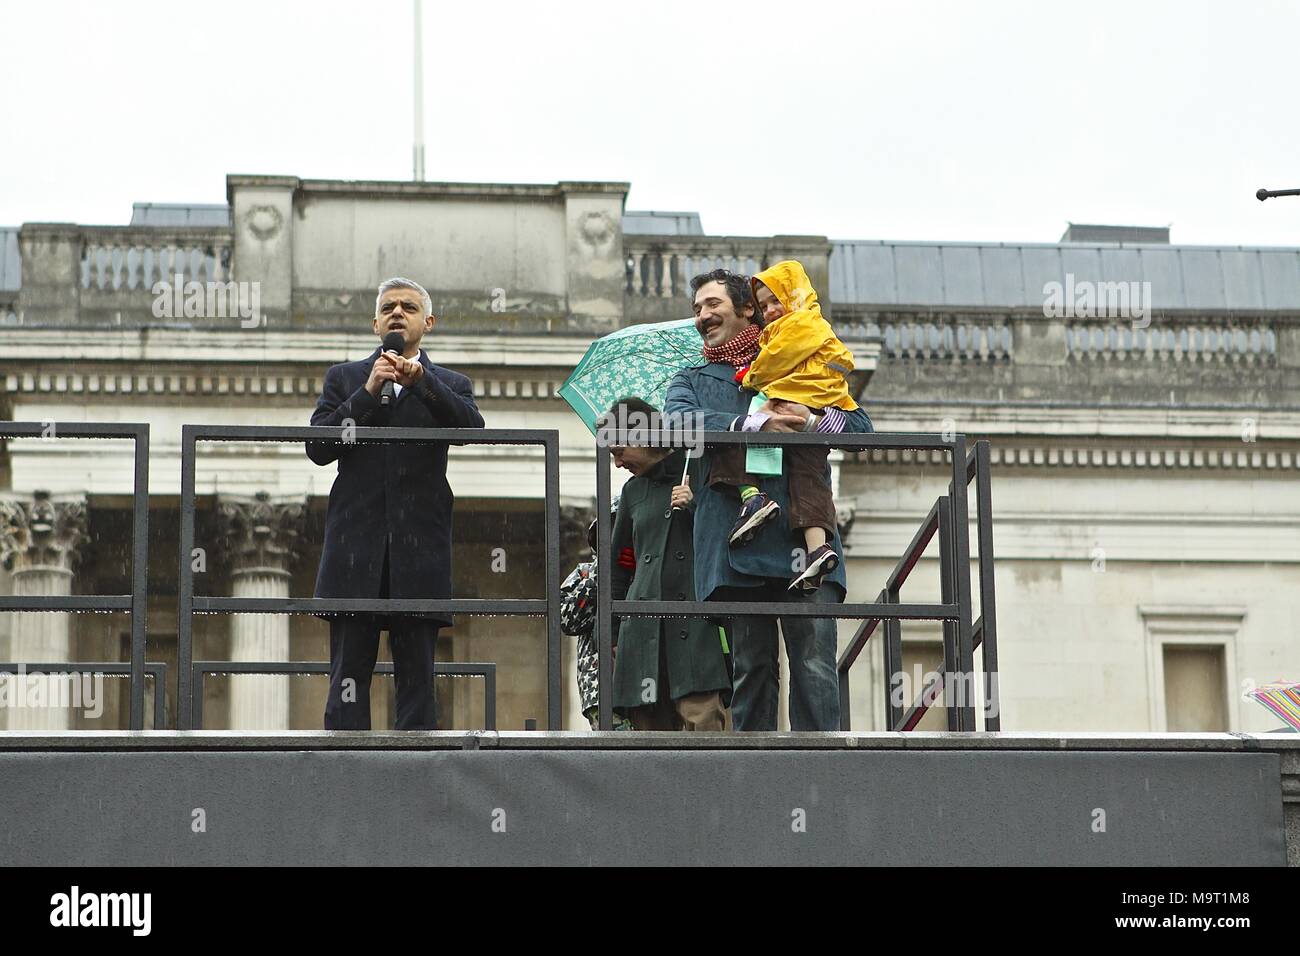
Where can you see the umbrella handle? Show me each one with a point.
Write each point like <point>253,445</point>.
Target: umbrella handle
<point>685,468</point>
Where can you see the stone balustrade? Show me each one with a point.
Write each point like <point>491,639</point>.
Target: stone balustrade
<point>970,341</point>
<point>658,269</point>
<point>119,259</point>
<point>76,275</point>
<point>1223,343</point>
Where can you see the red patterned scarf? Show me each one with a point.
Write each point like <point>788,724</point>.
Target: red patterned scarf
<point>739,350</point>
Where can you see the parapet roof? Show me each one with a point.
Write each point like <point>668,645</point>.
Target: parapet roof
<point>1013,275</point>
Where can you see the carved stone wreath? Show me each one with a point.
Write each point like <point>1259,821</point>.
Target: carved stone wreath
<point>263,221</point>
<point>596,229</point>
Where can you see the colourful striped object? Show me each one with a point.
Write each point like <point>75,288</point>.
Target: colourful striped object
<point>1282,698</point>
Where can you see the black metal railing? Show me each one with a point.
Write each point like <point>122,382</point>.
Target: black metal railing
<point>157,671</point>
<point>487,671</point>
<point>189,604</point>
<point>137,601</point>
<point>948,517</point>
<point>941,520</point>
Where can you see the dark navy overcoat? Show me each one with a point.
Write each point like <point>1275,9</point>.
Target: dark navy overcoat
<point>390,498</point>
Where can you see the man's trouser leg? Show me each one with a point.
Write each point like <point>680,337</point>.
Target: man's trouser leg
<point>659,715</point>
<point>702,711</point>
<point>354,645</point>
<point>411,640</point>
<point>754,665</point>
<point>814,681</point>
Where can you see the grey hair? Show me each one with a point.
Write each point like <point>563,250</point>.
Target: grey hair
<point>397,282</point>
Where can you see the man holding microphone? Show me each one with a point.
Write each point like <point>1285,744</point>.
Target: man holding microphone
<point>388,525</point>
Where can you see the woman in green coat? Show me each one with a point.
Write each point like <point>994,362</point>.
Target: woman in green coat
<point>668,674</point>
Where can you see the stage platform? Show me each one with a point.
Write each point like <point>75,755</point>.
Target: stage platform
<point>328,798</point>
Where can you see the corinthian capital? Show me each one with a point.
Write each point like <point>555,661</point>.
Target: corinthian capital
<point>263,533</point>
<point>41,531</point>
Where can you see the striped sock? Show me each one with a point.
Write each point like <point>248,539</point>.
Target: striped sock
<point>833,420</point>
<point>747,492</point>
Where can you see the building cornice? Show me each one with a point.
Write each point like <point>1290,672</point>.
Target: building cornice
<point>199,346</point>
<point>407,189</point>
<point>1132,456</point>
<point>268,382</point>
<point>1009,419</point>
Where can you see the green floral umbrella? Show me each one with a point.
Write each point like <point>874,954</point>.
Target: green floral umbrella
<point>639,360</point>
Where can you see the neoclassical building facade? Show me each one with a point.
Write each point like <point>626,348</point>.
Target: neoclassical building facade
<point>1145,434</point>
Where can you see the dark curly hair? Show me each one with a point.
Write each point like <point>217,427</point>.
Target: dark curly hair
<point>736,284</point>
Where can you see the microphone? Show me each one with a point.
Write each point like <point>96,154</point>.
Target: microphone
<point>1263,194</point>
<point>393,342</point>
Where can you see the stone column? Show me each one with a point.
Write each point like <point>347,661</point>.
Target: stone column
<point>40,540</point>
<point>261,535</point>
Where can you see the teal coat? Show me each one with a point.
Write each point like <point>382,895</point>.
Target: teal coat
<point>652,561</point>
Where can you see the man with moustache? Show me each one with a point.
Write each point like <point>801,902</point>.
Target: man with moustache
<point>727,320</point>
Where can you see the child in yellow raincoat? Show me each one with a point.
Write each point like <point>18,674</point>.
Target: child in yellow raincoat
<point>800,359</point>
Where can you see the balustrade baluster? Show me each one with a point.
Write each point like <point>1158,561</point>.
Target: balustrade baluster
<point>637,281</point>
<point>103,260</point>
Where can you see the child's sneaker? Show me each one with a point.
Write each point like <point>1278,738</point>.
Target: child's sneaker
<point>820,563</point>
<point>753,513</point>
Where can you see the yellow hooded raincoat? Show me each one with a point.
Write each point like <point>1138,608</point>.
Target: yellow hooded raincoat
<point>800,358</point>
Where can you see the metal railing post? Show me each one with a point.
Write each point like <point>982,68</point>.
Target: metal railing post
<point>893,662</point>
<point>988,598</point>
<point>554,647</point>
<point>961,695</point>
<point>185,584</point>
<point>139,577</point>
<point>947,571</point>
<point>846,722</point>
<point>604,622</point>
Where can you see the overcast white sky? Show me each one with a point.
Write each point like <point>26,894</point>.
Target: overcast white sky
<point>926,120</point>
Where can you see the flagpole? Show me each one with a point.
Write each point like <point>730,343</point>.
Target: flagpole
<point>419,97</point>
